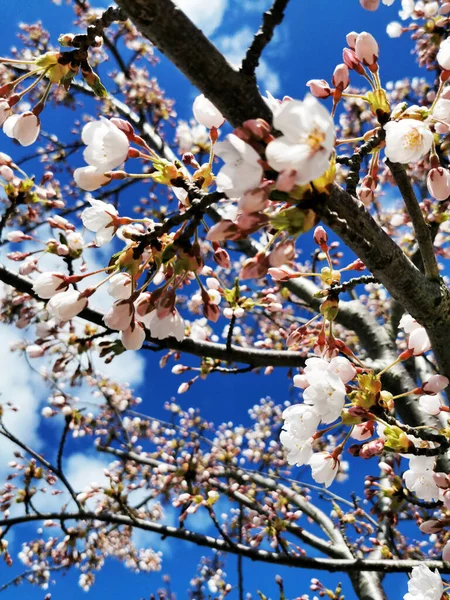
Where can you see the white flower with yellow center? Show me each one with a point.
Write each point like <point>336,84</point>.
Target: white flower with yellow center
<point>407,140</point>
<point>307,141</point>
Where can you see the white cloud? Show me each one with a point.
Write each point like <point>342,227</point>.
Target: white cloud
<point>234,48</point>
<point>17,386</point>
<point>206,14</point>
<point>258,6</point>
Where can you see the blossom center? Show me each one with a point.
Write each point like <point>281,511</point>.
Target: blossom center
<point>412,139</point>
<point>315,140</point>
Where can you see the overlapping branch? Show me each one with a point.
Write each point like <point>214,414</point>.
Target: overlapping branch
<point>346,565</point>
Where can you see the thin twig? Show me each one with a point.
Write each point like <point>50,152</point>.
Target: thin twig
<point>273,17</point>
<point>421,229</point>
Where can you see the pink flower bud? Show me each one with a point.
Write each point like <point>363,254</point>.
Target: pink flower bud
<point>352,61</point>
<point>341,77</point>
<point>282,253</point>
<point>224,230</point>
<point>34,351</point>
<point>366,49</point>
<point>373,448</point>
<point>281,273</point>
<point>435,384</point>
<point>286,180</point>
<point>350,38</point>
<point>431,526</point>
<point>17,236</point>
<point>184,387</point>
<point>221,257</point>
<point>438,183</point>
<point>370,4</point>
<point>124,126</point>
<point>320,236</point>
<point>256,267</point>
<point>257,127</point>
<point>211,311</point>
<point>24,128</point>
<point>7,173</point>
<point>319,88</point>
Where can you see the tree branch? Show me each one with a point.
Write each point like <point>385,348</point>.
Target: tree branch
<point>250,356</point>
<point>170,30</point>
<point>421,229</point>
<point>321,564</point>
<point>273,17</point>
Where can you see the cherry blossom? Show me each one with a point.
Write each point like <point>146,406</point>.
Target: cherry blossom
<point>160,328</point>
<point>120,286</point>
<point>119,316</point>
<point>206,113</point>
<point>24,128</point>
<point>100,218</point>
<point>49,284</point>
<point>443,56</point>
<point>424,584</point>
<point>407,140</point>
<point>133,337</point>
<point>66,305</point>
<point>324,467</point>
<point>242,171</point>
<point>438,183</point>
<point>419,478</point>
<point>90,178</point>
<point>307,141</point>
<point>107,146</point>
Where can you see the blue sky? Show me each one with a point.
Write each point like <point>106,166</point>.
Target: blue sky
<point>308,45</point>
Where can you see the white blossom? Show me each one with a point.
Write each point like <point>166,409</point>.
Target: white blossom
<point>66,305</point>
<point>394,29</point>
<point>206,113</point>
<point>407,140</point>
<point>242,171</point>
<point>100,218</point>
<point>324,468</point>
<point>107,146</point>
<point>133,337</point>
<point>24,128</point>
<point>424,584</point>
<point>419,478</point>
<point>120,286</point>
<point>443,56</point>
<point>170,326</point>
<point>49,284</point>
<point>307,141</point>
<point>90,178</point>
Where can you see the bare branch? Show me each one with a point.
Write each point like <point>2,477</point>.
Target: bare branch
<point>421,229</point>
<point>271,18</point>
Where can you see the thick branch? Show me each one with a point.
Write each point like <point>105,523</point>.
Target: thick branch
<point>168,28</point>
<point>256,554</point>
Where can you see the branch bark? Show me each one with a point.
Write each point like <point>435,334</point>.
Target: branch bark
<point>249,356</point>
<point>348,565</point>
